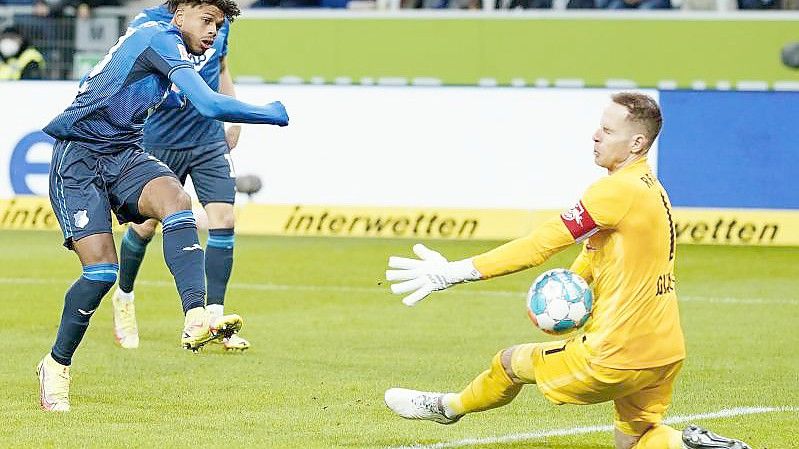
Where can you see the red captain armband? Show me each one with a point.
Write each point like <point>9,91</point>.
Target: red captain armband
<point>579,222</point>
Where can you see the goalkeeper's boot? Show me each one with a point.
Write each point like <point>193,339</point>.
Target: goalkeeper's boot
<point>412,404</point>
<point>126,331</point>
<point>234,343</point>
<point>695,437</point>
<point>53,385</point>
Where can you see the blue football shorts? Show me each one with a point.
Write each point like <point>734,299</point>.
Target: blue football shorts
<point>210,168</point>
<point>86,186</point>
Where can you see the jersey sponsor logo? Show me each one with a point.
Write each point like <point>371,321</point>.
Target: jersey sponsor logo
<point>200,61</point>
<point>579,222</point>
<point>81,219</point>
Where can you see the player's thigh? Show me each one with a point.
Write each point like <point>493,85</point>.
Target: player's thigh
<point>144,187</point>
<point>212,174</point>
<point>565,376</point>
<point>160,198</point>
<point>646,407</point>
<point>77,193</point>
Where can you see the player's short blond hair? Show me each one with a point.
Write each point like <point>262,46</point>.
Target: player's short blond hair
<point>643,110</point>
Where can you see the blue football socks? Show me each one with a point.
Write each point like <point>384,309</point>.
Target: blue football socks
<point>184,257</point>
<point>81,300</point>
<point>131,254</point>
<point>218,263</point>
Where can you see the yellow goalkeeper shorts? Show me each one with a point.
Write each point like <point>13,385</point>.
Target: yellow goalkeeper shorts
<point>565,376</point>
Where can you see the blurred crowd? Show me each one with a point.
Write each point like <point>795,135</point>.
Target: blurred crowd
<point>60,8</point>
<point>39,36</point>
<point>82,8</point>
<point>61,39</point>
<point>706,5</point>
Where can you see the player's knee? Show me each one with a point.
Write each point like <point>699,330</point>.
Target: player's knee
<point>625,441</point>
<point>145,230</point>
<point>227,220</point>
<point>183,200</point>
<point>220,215</point>
<point>177,200</point>
<point>504,360</point>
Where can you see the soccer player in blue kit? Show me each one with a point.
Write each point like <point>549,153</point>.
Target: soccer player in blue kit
<point>98,166</point>
<point>189,144</point>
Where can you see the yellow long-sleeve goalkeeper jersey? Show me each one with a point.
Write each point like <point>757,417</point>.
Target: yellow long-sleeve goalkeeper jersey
<point>627,224</point>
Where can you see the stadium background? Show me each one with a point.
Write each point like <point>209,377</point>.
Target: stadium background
<point>429,125</point>
<point>386,72</point>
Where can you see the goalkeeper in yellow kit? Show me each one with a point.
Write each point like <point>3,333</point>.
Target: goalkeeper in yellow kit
<point>632,348</point>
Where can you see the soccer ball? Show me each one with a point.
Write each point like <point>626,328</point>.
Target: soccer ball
<point>559,301</point>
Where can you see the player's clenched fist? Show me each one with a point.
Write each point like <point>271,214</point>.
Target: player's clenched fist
<point>430,272</point>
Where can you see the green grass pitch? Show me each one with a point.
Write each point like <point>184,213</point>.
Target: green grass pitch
<point>328,339</point>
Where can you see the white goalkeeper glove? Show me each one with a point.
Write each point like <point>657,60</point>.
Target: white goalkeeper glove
<point>431,272</point>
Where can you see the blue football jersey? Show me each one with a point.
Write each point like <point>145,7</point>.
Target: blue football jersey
<point>173,129</point>
<point>128,84</point>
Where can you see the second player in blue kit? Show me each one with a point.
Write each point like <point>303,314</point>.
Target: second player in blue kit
<point>99,166</point>
<point>197,146</point>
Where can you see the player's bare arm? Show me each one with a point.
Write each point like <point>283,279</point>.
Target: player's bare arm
<point>226,87</point>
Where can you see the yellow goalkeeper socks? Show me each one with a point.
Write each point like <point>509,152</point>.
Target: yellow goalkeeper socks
<point>492,388</point>
<point>660,437</point>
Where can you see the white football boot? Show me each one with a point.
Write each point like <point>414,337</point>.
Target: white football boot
<point>412,404</point>
<point>234,343</point>
<point>126,331</point>
<point>53,385</point>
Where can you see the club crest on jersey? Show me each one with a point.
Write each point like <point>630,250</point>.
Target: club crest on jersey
<point>81,219</point>
<point>579,222</point>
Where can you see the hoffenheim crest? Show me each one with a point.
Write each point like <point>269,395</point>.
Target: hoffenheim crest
<point>81,219</point>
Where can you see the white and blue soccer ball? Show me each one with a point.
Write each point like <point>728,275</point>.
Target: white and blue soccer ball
<point>559,301</point>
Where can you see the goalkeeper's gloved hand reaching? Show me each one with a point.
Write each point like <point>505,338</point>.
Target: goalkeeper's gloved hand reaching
<point>431,272</point>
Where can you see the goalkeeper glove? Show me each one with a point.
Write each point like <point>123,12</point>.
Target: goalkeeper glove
<point>431,272</point>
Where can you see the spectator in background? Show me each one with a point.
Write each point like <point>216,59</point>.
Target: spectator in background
<point>18,60</point>
<point>633,4</point>
<point>41,8</point>
<point>757,4</point>
<point>83,12</point>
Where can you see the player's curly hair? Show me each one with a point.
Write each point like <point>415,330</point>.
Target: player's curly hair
<point>228,7</point>
<point>641,109</point>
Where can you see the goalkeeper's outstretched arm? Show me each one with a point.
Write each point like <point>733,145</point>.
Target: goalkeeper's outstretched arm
<point>432,272</point>
<point>525,252</point>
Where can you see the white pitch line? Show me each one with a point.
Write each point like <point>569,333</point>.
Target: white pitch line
<point>377,290</point>
<point>537,435</point>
